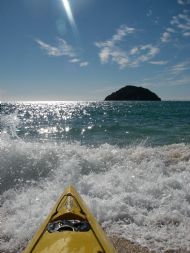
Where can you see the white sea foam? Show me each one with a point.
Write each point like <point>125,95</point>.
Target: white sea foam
<point>140,193</point>
<point>9,124</point>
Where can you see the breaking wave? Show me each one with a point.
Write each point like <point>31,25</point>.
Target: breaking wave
<point>137,192</point>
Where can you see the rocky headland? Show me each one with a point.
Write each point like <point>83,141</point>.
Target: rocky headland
<point>133,93</point>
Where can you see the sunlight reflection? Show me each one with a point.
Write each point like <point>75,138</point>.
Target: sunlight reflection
<point>69,13</point>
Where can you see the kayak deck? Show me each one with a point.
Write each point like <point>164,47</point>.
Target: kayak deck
<point>70,242</point>
<point>70,228</point>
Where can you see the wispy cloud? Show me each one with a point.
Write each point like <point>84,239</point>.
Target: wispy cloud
<point>112,51</point>
<point>183,2</point>
<point>185,80</point>
<point>149,13</point>
<point>164,79</point>
<point>166,36</point>
<point>121,33</point>
<point>84,64</point>
<point>134,51</point>
<point>158,62</point>
<point>179,25</point>
<point>182,23</point>
<point>74,60</point>
<point>179,68</point>
<point>173,75</point>
<point>62,48</point>
<point>170,30</point>
<point>144,54</point>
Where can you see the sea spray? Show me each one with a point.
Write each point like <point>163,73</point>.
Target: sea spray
<point>137,192</point>
<point>129,161</point>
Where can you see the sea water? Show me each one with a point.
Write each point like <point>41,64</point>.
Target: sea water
<point>130,161</point>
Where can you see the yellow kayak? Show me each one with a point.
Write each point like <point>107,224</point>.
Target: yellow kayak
<point>70,228</point>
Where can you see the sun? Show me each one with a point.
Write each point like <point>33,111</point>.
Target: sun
<point>69,13</point>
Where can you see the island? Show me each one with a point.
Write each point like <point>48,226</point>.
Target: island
<point>133,93</point>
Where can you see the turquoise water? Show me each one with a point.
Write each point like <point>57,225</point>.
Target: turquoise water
<point>130,161</point>
<point>120,123</point>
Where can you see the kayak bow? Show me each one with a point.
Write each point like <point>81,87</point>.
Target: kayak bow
<point>70,228</point>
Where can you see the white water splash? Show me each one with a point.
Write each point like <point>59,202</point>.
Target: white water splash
<point>139,193</point>
<point>9,124</point>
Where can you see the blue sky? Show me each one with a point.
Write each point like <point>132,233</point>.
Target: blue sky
<point>85,49</point>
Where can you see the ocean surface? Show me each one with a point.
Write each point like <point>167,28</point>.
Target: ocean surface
<point>130,161</point>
